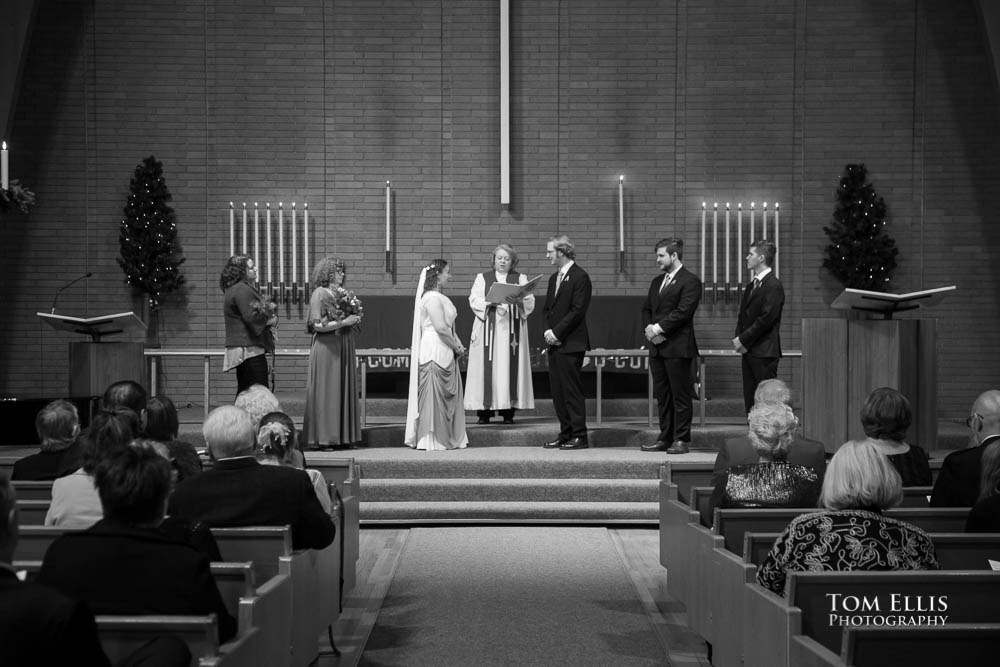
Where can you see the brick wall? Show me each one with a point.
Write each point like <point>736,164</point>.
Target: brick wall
<point>319,102</point>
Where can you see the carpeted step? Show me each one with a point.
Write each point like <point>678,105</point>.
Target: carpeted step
<point>518,512</point>
<point>510,490</point>
<point>594,467</point>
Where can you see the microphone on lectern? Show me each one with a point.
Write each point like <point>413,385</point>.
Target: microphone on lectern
<point>69,284</point>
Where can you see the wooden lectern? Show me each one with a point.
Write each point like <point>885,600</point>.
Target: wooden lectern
<point>95,364</point>
<point>843,360</point>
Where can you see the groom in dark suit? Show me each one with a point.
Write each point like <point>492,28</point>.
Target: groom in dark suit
<point>565,312</point>
<point>759,320</point>
<point>669,313</point>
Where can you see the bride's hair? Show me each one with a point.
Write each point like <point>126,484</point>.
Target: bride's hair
<point>434,270</point>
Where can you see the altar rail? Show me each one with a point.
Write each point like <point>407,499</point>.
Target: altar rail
<point>600,358</point>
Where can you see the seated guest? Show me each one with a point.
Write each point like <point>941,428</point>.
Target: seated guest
<point>885,418</point>
<point>276,439</point>
<point>258,401</point>
<point>39,626</point>
<point>58,427</point>
<point>803,451</point>
<point>958,481</point>
<point>75,501</point>
<point>985,514</point>
<point>161,419</point>
<point>124,564</point>
<point>125,394</point>
<point>852,534</point>
<point>239,491</point>
<point>772,481</point>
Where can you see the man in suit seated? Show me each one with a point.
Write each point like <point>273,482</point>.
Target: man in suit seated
<point>39,626</point>
<point>239,491</point>
<point>957,483</point>
<point>123,564</point>
<point>803,451</point>
<point>58,428</point>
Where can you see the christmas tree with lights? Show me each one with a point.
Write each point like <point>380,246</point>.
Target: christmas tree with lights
<point>861,254</point>
<point>150,254</point>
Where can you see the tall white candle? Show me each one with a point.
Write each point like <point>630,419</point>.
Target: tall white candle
<point>244,228</point>
<point>256,238</point>
<point>621,213</point>
<point>270,259</point>
<point>388,216</point>
<point>776,214</point>
<point>305,244</point>
<point>763,222</point>
<point>703,241</point>
<point>232,230</point>
<point>728,258</point>
<point>715,246</point>
<point>4,175</point>
<point>281,243</point>
<point>739,243</point>
<point>752,239</point>
<point>295,245</point>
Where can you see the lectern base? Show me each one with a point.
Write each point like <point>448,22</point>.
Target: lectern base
<point>94,366</point>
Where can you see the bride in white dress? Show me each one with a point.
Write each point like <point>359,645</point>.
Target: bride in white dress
<point>435,414</point>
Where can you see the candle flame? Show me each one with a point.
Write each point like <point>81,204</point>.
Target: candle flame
<point>387,184</point>
<point>716,205</point>
<point>727,206</point>
<point>703,204</point>
<point>230,204</point>
<point>255,204</point>
<point>776,205</point>
<point>5,145</point>
<point>621,179</point>
<point>740,206</point>
<point>751,204</point>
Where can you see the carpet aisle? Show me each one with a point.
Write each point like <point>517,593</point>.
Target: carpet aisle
<point>512,595</point>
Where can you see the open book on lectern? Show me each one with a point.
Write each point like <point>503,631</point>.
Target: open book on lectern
<point>95,327</point>
<point>500,291</point>
<point>882,302</point>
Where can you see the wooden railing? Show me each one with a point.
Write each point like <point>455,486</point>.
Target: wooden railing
<point>600,358</point>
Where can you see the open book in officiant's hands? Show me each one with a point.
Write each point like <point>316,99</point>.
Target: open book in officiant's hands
<point>504,292</point>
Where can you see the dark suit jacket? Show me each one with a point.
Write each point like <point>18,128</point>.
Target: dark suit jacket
<point>957,483</point>
<point>985,516</point>
<point>39,626</point>
<point>566,312</point>
<point>242,492</point>
<point>673,309</point>
<point>120,569</point>
<point>735,451</point>
<point>45,466</point>
<point>759,318</point>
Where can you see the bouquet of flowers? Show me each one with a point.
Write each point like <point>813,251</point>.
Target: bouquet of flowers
<point>340,303</point>
<point>268,309</point>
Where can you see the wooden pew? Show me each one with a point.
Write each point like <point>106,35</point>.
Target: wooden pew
<point>34,541</point>
<point>955,551</point>
<point>917,496</point>
<point>33,490</point>
<point>733,523</point>
<point>122,635</point>
<point>701,497</point>
<point>928,646</point>
<point>343,473</point>
<point>331,571</point>
<point>688,474</point>
<point>676,551</point>
<point>32,512</point>
<point>971,598</point>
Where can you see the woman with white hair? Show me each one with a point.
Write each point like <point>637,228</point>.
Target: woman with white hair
<point>772,481</point>
<point>852,533</point>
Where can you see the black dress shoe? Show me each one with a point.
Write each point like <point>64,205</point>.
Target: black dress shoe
<point>678,447</point>
<point>553,444</point>
<point>508,420</point>
<point>575,443</point>
<point>483,420</point>
<point>658,446</point>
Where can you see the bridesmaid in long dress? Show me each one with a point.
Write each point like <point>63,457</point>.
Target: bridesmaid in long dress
<point>435,416</point>
<point>331,411</point>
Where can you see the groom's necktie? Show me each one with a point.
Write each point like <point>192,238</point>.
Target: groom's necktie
<point>559,281</point>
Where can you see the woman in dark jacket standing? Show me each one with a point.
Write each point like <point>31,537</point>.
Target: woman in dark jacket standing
<point>249,319</point>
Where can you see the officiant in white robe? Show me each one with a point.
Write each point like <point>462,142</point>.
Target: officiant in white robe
<point>499,372</point>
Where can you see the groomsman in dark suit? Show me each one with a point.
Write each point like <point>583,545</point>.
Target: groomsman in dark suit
<point>669,312</point>
<point>565,313</point>
<point>759,320</point>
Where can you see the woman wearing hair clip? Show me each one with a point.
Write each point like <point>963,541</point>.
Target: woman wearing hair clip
<point>331,412</point>
<point>435,416</point>
<point>499,377</point>
<point>276,441</point>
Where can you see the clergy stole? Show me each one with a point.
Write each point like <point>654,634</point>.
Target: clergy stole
<point>489,330</point>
